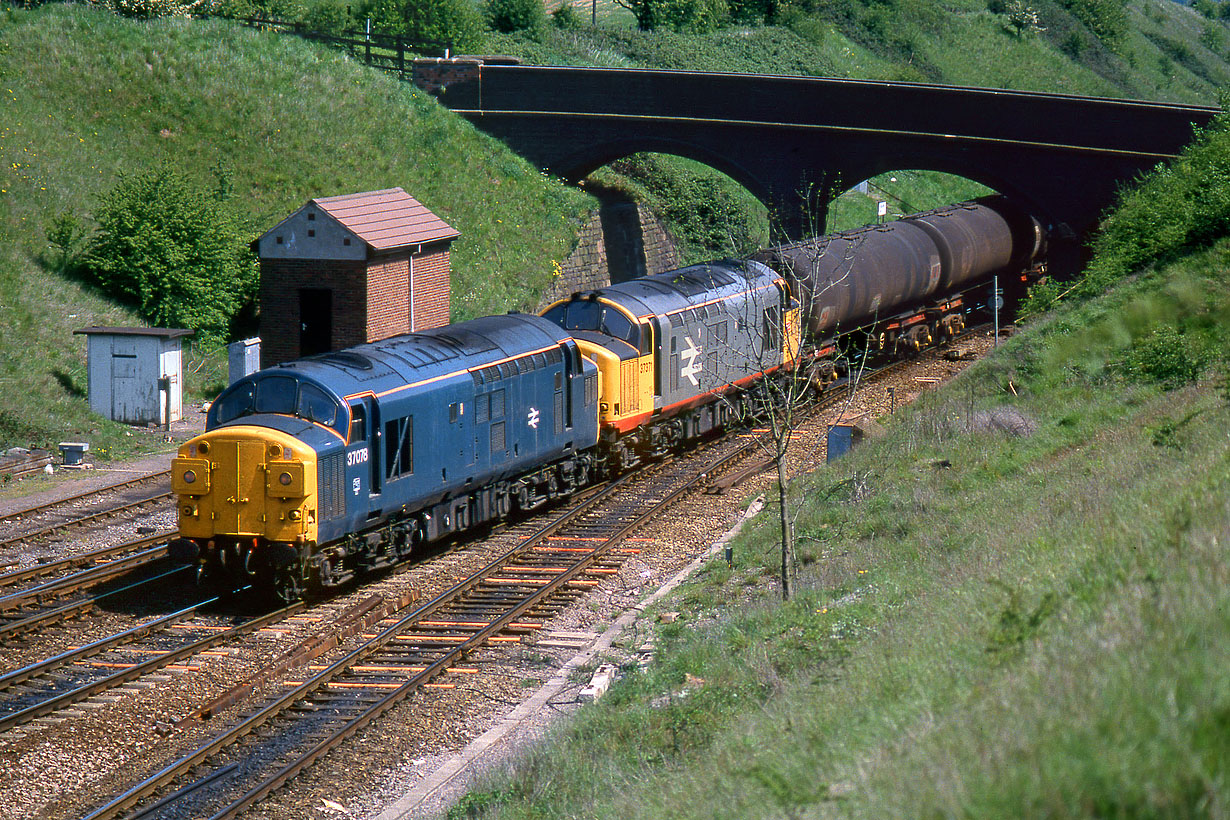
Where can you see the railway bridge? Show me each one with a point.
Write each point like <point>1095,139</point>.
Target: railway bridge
<point>797,142</point>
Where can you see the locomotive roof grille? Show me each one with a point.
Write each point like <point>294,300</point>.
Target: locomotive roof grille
<point>344,358</point>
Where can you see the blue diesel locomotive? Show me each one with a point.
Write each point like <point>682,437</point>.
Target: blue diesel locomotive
<point>314,469</point>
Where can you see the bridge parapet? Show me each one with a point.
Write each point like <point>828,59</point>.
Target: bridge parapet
<point>436,74</point>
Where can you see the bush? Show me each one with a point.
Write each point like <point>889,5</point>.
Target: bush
<point>697,16</point>
<point>172,250</point>
<point>565,17</point>
<point>328,17</point>
<point>455,22</point>
<point>289,10</point>
<point>1107,19</point>
<point>1176,208</point>
<point>756,12</point>
<point>515,15</point>
<point>152,8</point>
<point>1164,357</point>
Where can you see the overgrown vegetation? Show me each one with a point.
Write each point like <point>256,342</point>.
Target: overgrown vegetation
<point>1176,209</point>
<point>709,215</point>
<point>174,252</point>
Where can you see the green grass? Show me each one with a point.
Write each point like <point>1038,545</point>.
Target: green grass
<point>285,120</point>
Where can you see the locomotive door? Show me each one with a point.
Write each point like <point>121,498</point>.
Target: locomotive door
<point>563,390</point>
<point>377,452</point>
<point>237,484</point>
<point>363,454</point>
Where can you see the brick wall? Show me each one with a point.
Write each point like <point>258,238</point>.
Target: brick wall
<point>432,279</point>
<point>281,281</point>
<point>661,252</point>
<point>388,297</point>
<point>433,74</point>
<point>587,267</point>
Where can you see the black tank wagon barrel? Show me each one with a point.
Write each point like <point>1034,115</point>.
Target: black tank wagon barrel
<point>871,274</point>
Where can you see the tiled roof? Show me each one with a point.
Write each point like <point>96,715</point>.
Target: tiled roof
<point>387,219</point>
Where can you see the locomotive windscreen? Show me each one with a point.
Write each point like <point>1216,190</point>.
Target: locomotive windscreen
<point>283,395</point>
<point>586,314</point>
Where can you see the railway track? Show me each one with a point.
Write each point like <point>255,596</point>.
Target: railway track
<point>40,606</point>
<point>71,519</point>
<point>503,603</point>
<point>56,683</point>
<point>86,559</point>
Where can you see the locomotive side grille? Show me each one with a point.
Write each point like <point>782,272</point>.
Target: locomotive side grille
<point>332,487</point>
<point>629,388</point>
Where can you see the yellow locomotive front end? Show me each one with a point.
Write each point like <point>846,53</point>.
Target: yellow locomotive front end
<point>246,500</point>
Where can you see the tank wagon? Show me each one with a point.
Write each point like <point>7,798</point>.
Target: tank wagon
<point>862,279</point>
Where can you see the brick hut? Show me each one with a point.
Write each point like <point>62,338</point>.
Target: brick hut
<point>344,270</point>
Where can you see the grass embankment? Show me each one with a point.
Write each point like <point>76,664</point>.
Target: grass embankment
<point>88,96</point>
<point>1013,605</point>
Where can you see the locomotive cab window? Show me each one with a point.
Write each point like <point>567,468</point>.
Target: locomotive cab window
<point>316,405</point>
<point>358,423</point>
<point>235,402</point>
<point>276,394</point>
<point>584,314</point>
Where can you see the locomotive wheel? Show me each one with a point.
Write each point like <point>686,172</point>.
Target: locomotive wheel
<point>287,583</point>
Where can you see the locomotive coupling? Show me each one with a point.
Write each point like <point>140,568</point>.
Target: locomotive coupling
<point>183,551</point>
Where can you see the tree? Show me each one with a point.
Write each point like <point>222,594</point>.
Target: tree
<point>170,248</point>
<point>515,15</point>
<point>679,15</point>
<point>1023,19</point>
<point>777,401</point>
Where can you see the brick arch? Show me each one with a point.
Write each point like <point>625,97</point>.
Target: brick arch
<point>590,158</point>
